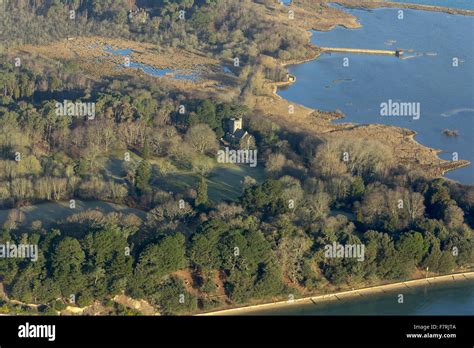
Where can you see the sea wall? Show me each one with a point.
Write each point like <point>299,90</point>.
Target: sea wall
<point>348,294</point>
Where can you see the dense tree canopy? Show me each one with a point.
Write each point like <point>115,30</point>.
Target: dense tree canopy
<point>172,243</point>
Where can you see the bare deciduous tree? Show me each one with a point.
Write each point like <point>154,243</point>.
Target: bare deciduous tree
<point>202,138</point>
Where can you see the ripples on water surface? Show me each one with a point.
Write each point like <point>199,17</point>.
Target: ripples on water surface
<point>425,75</point>
<point>456,298</point>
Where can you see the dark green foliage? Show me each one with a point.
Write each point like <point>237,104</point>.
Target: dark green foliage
<point>146,151</point>
<point>156,261</point>
<point>143,176</point>
<point>412,247</point>
<point>438,199</point>
<point>248,259</point>
<point>67,261</point>
<point>266,198</point>
<point>173,298</point>
<point>211,113</point>
<point>204,251</point>
<point>208,286</point>
<point>258,250</point>
<point>357,189</point>
<point>8,266</point>
<point>387,259</point>
<point>85,298</point>
<point>446,262</point>
<point>201,198</point>
<point>108,262</point>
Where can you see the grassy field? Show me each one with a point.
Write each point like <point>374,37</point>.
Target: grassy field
<point>225,181</point>
<point>51,212</point>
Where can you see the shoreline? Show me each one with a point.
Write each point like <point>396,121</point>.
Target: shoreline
<point>462,276</point>
<point>364,4</point>
<point>305,120</point>
<point>439,166</point>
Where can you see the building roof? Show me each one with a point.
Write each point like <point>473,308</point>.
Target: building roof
<point>240,133</point>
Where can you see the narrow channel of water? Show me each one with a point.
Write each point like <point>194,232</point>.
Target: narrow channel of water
<point>148,69</point>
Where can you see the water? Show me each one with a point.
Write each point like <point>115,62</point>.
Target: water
<point>426,75</point>
<point>118,51</point>
<point>455,298</point>
<point>150,70</point>
<point>462,4</point>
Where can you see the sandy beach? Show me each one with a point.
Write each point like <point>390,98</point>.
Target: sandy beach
<point>347,294</point>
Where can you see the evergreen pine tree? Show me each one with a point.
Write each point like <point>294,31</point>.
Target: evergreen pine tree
<point>202,197</point>
<point>143,176</point>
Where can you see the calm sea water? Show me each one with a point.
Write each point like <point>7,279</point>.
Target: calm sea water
<point>456,298</point>
<point>426,75</point>
<point>464,4</point>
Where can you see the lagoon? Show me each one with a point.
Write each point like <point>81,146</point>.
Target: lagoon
<point>433,42</point>
<point>148,69</point>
